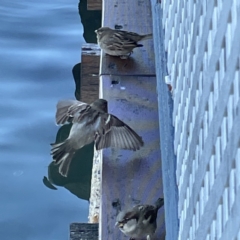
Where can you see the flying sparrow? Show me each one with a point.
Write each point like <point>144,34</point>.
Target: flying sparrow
<point>118,42</point>
<point>90,123</point>
<point>140,221</point>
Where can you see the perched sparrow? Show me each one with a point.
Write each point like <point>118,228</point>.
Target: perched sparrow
<point>119,43</point>
<point>90,123</point>
<point>140,221</point>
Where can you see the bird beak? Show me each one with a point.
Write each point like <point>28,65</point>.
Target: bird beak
<point>95,31</point>
<point>118,224</point>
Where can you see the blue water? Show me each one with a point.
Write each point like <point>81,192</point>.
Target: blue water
<point>39,44</point>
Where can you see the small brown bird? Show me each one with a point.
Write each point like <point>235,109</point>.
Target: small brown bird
<point>140,221</point>
<point>118,42</point>
<point>90,123</point>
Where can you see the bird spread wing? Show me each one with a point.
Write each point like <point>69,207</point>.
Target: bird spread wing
<point>67,109</point>
<point>115,133</point>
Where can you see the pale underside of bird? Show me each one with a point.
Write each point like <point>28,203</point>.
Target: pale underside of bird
<point>140,221</point>
<point>119,43</point>
<point>90,123</point>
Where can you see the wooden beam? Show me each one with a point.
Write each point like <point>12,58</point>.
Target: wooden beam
<point>90,73</point>
<point>83,231</point>
<point>94,4</point>
<point>129,177</point>
<point>129,85</point>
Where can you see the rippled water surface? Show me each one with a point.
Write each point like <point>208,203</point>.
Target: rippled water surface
<point>39,43</point>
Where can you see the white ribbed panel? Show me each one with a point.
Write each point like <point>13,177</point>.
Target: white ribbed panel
<point>202,41</point>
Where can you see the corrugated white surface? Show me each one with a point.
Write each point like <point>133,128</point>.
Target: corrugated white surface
<point>202,40</point>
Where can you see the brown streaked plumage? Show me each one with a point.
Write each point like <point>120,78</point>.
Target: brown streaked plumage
<point>90,123</point>
<point>118,42</point>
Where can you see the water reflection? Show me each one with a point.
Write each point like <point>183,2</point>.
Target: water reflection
<point>78,179</point>
<point>40,43</point>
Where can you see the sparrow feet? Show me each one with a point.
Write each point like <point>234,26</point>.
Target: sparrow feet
<point>126,56</point>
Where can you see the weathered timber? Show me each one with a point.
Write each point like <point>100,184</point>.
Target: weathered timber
<point>90,72</point>
<point>129,177</point>
<point>83,231</point>
<point>129,85</point>
<point>94,4</point>
<point>94,201</point>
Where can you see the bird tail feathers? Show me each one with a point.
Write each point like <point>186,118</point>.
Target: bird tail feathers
<point>62,154</point>
<point>159,203</point>
<point>139,45</point>
<point>147,36</point>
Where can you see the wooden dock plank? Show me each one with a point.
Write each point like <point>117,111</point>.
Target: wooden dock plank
<point>131,177</point>
<point>94,4</point>
<point>132,16</point>
<point>90,72</point>
<point>84,231</point>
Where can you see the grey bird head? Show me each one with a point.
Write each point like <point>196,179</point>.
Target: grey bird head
<point>102,30</point>
<point>140,221</point>
<point>100,104</point>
